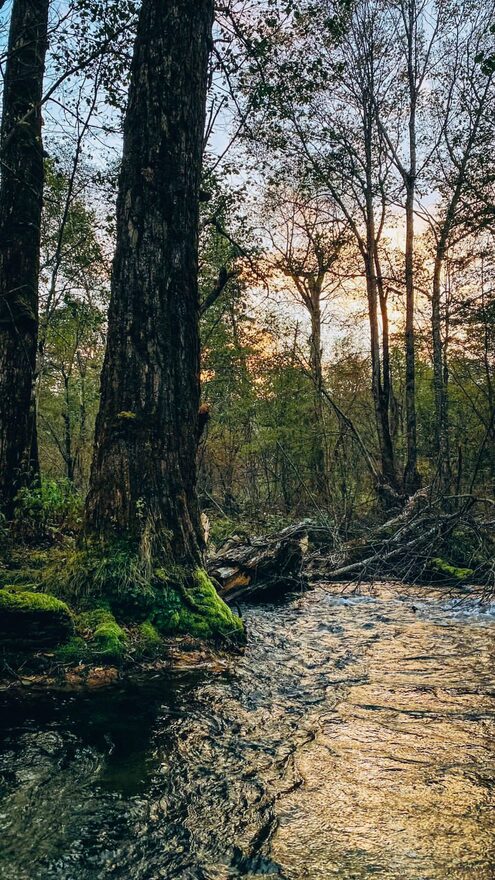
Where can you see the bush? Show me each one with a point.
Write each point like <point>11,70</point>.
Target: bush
<point>45,509</point>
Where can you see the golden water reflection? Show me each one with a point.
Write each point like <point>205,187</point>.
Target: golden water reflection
<point>398,779</point>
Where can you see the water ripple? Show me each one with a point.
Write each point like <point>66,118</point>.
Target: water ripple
<point>353,739</point>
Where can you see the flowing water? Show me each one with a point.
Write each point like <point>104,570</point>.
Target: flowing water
<point>354,739</point>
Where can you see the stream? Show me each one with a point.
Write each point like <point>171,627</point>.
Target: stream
<point>354,739</point>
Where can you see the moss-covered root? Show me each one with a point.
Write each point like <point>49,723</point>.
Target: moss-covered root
<point>106,640</point>
<point>33,621</point>
<point>193,607</point>
<point>101,640</point>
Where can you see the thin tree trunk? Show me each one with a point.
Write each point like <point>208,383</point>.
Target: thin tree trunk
<point>319,451</point>
<point>21,194</point>
<point>412,479</point>
<point>143,479</point>
<point>388,453</point>
<point>388,472</point>
<point>439,374</point>
<point>69,458</point>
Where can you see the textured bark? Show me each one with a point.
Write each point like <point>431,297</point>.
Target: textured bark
<point>21,193</point>
<point>143,480</point>
<point>261,566</point>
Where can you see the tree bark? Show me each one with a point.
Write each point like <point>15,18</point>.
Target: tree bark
<point>412,479</point>
<point>444,470</point>
<point>143,479</point>
<point>319,446</point>
<point>21,194</point>
<point>380,387</point>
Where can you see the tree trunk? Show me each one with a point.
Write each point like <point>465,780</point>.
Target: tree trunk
<point>379,382</point>
<point>444,472</point>
<point>381,402</point>
<point>69,457</point>
<point>21,194</point>
<point>143,479</point>
<point>412,479</point>
<point>319,456</point>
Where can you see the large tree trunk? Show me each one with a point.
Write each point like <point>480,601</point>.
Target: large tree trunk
<point>143,479</point>
<point>21,194</point>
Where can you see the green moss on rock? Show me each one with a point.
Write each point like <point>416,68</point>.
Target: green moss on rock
<point>174,600</point>
<point>33,620</point>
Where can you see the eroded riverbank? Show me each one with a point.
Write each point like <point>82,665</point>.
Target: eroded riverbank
<point>353,739</point>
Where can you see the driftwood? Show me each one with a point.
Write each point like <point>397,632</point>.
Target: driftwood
<point>429,539</point>
<point>425,541</point>
<point>260,566</point>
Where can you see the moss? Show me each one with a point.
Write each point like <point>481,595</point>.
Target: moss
<point>450,572</point>
<point>126,416</point>
<point>109,641</point>
<point>88,621</point>
<point>20,587</point>
<point>74,651</point>
<point>99,639</point>
<point>34,620</point>
<point>194,608</point>
<point>148,640</point>
<point>19,600</point>
<point>121,584</point>
<point>105,638</point>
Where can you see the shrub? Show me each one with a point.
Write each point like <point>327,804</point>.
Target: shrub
<point>45,509</point>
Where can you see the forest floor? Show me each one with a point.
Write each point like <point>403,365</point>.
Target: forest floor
<point>53,640</point>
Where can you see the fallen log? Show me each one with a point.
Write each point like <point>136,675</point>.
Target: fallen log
<point>260,567</point>
<point>424,542</point>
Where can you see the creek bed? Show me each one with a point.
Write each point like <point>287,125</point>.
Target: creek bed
<point>354,739</point>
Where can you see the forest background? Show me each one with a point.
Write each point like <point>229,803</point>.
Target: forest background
<point>346,258</point>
